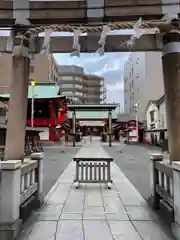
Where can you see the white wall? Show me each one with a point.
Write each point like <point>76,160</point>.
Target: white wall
<point>152,107</point>
<point>162,116</point>
<point>160,120</point>
<point>143,80</point>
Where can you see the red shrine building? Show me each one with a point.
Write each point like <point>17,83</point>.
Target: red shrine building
<point>132,132</point>
<point>50,109</point>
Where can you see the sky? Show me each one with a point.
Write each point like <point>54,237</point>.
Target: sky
<point>110,66</point>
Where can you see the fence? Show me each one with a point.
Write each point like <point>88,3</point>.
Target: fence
<point>162,188</point>
<point>21,191</point>
<point>28,188</point>
<point>93,172</point>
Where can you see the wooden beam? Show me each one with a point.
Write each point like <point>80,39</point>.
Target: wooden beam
<point>71,11</point>
<point>90,44</point>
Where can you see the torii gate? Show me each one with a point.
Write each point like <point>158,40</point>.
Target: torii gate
<point>22,15</point>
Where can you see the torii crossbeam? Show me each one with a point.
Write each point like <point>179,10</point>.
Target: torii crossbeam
<point>87,11</point>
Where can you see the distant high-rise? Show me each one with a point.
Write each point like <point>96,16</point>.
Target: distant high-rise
<point>43,69</point>
<point>143,81</point>
<point>73,82</point>
<point>81,87</point>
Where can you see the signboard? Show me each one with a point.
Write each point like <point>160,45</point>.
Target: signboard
<point>92,123</point>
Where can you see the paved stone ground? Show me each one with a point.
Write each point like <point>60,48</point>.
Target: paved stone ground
<point>94,212</point>
<point>134,163</point>
<point>55,162</point>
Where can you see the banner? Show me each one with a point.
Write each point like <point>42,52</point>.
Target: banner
<point>92,123</point>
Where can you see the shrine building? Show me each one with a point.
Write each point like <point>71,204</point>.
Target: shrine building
<point>50,109</point>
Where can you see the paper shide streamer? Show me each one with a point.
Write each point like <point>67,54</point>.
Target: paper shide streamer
<point>47,38</point>
<point>76,46</point>
<point>138,32</point>
<point>102,40</point>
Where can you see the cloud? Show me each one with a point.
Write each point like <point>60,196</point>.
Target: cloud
<point>110,66</point>
<point>117,86</point>
<point>115,93</point>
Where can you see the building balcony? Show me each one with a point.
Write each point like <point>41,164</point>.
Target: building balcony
<point>73,89</point>
<point>71,82</point>
<point>94,84</point>
<point>81,82</point>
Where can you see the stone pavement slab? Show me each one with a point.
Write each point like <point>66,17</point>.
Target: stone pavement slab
<point>94,212</point>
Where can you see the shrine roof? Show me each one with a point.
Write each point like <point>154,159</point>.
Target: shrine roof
<point>92,115</point>
<point>41,92</point>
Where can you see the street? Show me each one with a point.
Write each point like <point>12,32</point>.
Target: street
<point>134,163</point>
<point>55,162</point>
<point>100,213</point>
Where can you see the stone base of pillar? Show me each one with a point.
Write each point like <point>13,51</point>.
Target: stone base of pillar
<point>176,184</point>
<point>40,194</point>
<point>10,199</point>
<point>74,139</point>
<point>110,140</point>
<point>39,201</point>
<point>154,199</point>
<point>10,231</point>
<point>176,230</point>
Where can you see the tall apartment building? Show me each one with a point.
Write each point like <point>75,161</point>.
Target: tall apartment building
<point>81,87</point>
<point>143,81</point>
<point>73,82</point>
<point>44,69</point>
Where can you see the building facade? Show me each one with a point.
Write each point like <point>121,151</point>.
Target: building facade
<point>156,129</point>
<point>50,110</point>
<point>143,80</point>
<point>43,69</point>
<point>93,121</point>
<point>132,129</point>
<point>72,80</point>
<point>81,87</point>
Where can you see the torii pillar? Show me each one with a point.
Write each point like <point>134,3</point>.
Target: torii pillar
<point>171,71</point>
<point>17,108</point>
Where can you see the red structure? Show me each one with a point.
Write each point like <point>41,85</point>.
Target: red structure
<point>50,110</point>
<point>129,129</point>
<point>48,114</point>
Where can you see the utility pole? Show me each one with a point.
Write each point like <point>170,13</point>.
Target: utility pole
<point>136,106</point>
<point>32,103</point>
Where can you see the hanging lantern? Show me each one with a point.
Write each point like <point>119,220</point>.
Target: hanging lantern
<point>59,115</point>
<point>60,110</point>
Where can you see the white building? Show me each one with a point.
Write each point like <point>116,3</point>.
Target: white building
<point>143,80</point>
<point>156,120</point>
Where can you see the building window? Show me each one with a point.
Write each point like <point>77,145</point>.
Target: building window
<point>162,121</point>
<point>2,112</point>
<point>132,83</point>
<point>152,116</point>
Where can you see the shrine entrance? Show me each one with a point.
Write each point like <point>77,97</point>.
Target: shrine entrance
<point>91,22</point>
<point>156,30</point>
<point>103,109</point>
